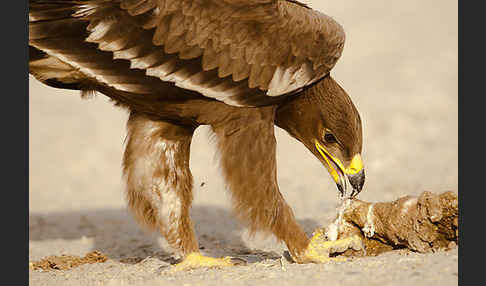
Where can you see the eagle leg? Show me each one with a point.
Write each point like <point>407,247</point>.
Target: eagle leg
<point>158,179</point>
<point>159,186</point>
<point>247,148</point>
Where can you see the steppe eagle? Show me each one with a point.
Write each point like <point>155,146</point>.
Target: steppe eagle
<point>239,66</point>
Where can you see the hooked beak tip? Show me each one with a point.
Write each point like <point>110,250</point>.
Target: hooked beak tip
<point>357,181</point>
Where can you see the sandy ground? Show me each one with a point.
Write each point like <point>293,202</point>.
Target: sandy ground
<point>400,67</point>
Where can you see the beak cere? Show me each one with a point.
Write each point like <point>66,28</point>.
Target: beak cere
<point>354,174</point>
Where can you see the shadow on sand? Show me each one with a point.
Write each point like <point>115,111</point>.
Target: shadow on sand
<point>115,233</point>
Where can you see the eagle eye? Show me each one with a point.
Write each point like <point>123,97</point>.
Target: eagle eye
<point>329,137</point>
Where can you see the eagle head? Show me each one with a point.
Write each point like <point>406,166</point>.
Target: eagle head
<point>325,120</point>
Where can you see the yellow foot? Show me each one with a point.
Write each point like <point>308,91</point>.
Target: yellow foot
<point>197,260</point>
<point>319,249</point>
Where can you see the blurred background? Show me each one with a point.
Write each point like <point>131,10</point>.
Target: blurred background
<point>399,65</point>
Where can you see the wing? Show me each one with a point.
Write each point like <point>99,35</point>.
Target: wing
<point>241,52</point>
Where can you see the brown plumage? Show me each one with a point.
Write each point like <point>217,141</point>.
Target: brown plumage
<point>240,66</point>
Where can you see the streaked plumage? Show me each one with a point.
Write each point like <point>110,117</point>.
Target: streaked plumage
<point>240,66</point>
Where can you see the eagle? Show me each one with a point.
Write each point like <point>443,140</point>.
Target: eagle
<point>241,67</point>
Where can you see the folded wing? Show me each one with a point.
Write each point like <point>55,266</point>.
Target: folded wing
<point>241,52</point>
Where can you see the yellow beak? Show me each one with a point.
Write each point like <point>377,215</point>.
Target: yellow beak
<point>355,166</point>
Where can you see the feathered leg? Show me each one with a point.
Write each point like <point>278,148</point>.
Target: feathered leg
<point>159,185</point>
<point>247,148</point>
<point>248,160</point>
<point>159,182</point>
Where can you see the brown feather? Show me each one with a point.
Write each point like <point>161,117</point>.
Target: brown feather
<point>191,8</point>
<point>210,59</point>
<point>225,67</point>
<point>162,31</point>
<point>191,53</point>
<point>144,62</point>
<point>240,69</point>
<point>176,27</point>
<point>60,28</point>
<point>172,5</point>
<point>260,13</point>
<point>164,69</point>
<point>151,21</point>
<point>255,72</point>
<point>131,52</point>
<point>130,4</point>
<point>174,44</point>
<point>115,45</point>
<point>266,76</point>
<point>143,7</point>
